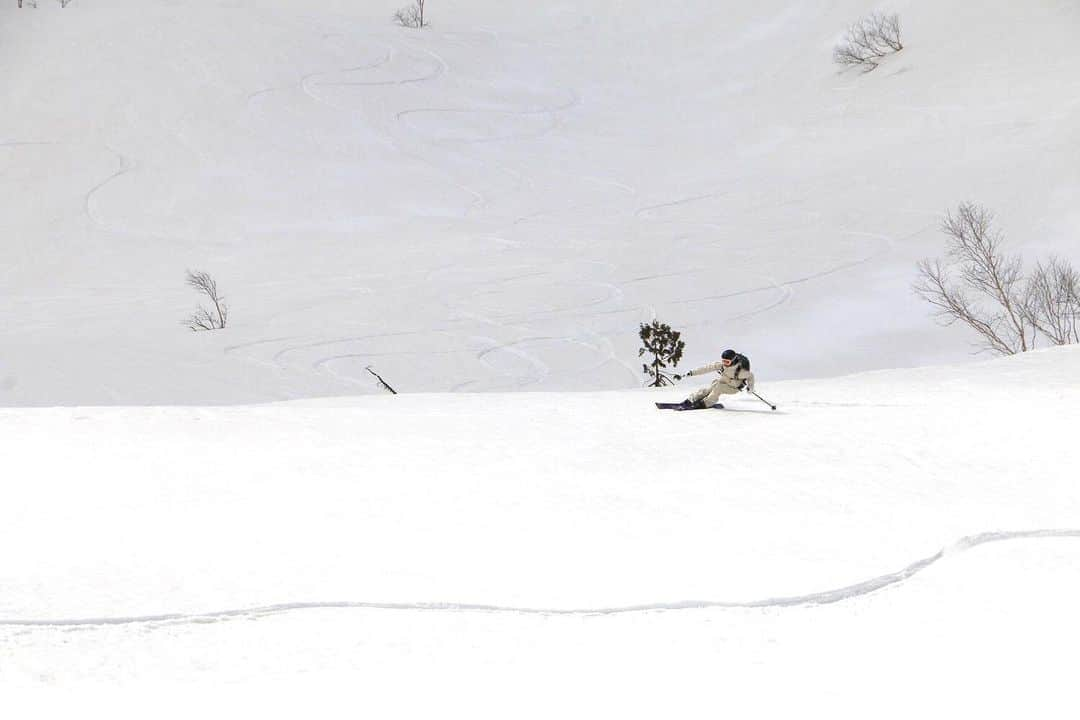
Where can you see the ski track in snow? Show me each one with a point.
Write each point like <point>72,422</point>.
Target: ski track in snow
<point>126,166</point>
<point>646,212</point>
<point>456,145</point>
<point>305,81</point>
<point>578,206</point>
<point>517,347</point>
<point>614,294</point>
<point>553,121</point>
<point>309,79</point>
<point>541,369</point>
<point>519,322</point>
<point>786,292</point>
<point>322,363</point>
<point>441,67</point>
<point>279,356</point>
<point>307,85</point>
<point>480,201</point>
<point>784,286</point>
<point>825,597</point>
<point>603,349</point>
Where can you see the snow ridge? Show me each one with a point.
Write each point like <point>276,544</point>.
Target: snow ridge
<point>819,598</point>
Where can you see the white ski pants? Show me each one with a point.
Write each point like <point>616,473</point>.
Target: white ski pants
<point>711,394</point>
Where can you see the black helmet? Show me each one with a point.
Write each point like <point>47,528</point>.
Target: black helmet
<point>729,355</point>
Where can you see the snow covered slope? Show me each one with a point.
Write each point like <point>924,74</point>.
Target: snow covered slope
<point>902,540</point>
<point>495,203</point>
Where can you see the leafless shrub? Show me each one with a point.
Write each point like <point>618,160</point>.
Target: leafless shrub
<point>203,319</point>
<point>984,288</point>
<point>988,295</point>
<point>411,16</point>
<point>869,40</point>
<point>1052,301</point>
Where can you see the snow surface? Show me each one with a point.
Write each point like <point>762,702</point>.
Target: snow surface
<point>240,524</point>
<point>906,541</point>
<point>496,203</point>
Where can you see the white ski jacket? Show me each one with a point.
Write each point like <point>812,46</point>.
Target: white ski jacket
<point>732,375</point>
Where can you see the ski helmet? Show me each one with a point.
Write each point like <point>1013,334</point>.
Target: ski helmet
<point>729,355</point>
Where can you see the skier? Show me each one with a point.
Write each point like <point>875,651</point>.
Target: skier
<point>735,375</point>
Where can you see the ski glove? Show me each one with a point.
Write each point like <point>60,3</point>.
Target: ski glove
<point>688,373</point>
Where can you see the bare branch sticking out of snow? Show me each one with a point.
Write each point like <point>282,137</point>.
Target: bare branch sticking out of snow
<point>202,318</point>
<point>869,40</point>
<point>411,16</point>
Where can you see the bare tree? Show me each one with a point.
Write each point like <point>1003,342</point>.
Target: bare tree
<point>869,40</point>
<point>33,3</point>
<point>980,285</point>
<point>203,319</point>
<point>1052,301</point>
<point>411,16</point>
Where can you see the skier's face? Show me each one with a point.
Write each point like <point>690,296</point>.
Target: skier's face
<point>725,362</point>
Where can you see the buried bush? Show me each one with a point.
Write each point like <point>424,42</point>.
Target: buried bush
<point>868,41</point>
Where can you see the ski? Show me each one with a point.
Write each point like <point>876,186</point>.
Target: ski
<point>680,406</point>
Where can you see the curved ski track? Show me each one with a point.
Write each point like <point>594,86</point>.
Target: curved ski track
<point>784,286</point>
<point>552,111</point>
<point>825,597</point>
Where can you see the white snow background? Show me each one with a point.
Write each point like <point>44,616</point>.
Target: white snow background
<point>497,202</point>
<point>494,204</point>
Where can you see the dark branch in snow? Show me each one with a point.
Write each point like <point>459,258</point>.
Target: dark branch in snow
<point>382,383</point>
<point>869,40</point>
<point>203,319</point>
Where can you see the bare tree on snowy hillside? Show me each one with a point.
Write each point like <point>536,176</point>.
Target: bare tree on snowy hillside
<point>411,16</point>
<point>988,295</point>
<point>869,40</point>
<point>982,287</point>
<point>203,319</point>
<point>1053,301</point>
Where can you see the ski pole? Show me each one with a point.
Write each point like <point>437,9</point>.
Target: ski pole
<point>762,399</point>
